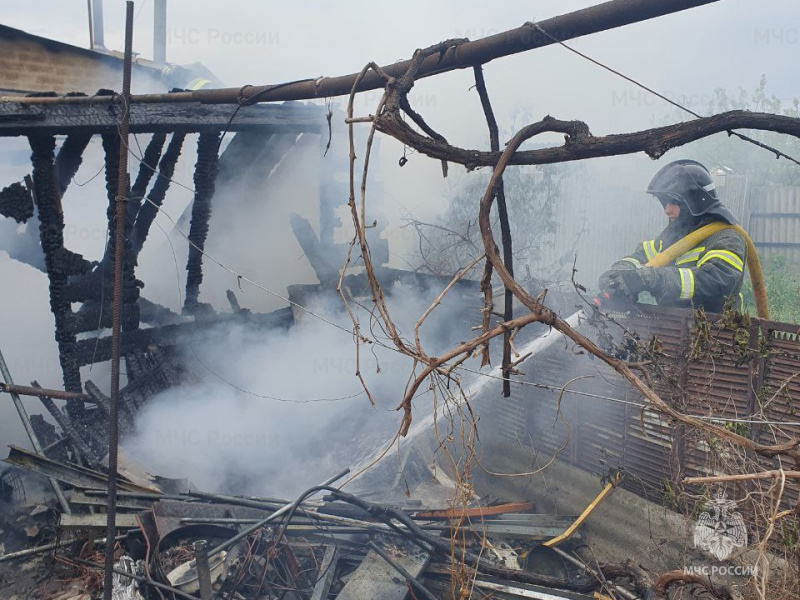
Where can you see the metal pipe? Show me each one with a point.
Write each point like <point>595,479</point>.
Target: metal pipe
<point>265,504</point>
<point>160,31</point>
<point>91,29</point>
<point>203,569</point>
<point>278,513</point>
<point>116,307</point>
<point>97,25</point>
<point>602,17</point>
<point>24,390</point>
<point>26,423</point>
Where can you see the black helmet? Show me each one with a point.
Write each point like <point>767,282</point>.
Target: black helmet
<point>689,183</point>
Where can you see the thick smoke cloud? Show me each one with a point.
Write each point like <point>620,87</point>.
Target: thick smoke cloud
<point>317,420</point>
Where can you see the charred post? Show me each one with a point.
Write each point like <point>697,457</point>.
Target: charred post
<point>204,179</point>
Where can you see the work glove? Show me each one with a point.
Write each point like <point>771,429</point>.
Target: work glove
<point>605,283</point>
<point>633,281</point>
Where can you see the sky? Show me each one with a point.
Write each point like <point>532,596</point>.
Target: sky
<point>728,44</point>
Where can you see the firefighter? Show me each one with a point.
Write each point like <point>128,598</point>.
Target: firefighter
<point>702,277</point>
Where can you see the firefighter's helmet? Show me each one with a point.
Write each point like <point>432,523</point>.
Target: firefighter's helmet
<point>687,182</point>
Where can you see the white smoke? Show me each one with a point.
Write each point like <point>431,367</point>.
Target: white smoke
<point>317,421</point>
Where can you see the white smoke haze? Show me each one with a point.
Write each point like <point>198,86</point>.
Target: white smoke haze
<point>319,420</point>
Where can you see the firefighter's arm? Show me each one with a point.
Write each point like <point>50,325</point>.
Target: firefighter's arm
<point>715,275</point>
<point>639,257</point>
<point>643,252</point>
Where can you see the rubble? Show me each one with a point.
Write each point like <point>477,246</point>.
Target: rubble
<point>340,547</point>
<point>174,539</point>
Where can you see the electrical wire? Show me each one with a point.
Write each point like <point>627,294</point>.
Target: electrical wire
<point>92,178</point>
<point>774,151</point>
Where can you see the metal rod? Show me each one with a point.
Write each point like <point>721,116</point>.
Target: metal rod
<point>203,569</point>
<point>406,575</point>
<point>79,445</point>
<point>26,423</point>
<point>24,390</point>
<point>313,520</point>
<point>265,504</point>
<point>119,258</point>
<point>280,512</point>
<point>594,19</point>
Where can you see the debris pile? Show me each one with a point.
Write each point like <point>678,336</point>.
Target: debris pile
<point>326,543</point>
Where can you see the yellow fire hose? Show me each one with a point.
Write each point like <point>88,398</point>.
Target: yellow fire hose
<point>616,480</point>
<point>662,259</point>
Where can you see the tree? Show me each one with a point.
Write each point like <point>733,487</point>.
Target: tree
<point>758,164</point>
<point>532,196</point>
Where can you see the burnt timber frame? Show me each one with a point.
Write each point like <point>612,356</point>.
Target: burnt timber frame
<point>17,118</point>
<point>74,279</point>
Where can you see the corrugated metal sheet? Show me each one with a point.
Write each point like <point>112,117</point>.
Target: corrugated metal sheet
<point>774,222</point>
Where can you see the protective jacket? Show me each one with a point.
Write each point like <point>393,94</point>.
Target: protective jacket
<point>702,277</point>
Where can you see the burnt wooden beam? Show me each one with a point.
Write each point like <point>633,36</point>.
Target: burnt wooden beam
<point>96,350</point>
<point>147,168</point>
<point>16,202</point>
<point>111,150</point>
<point>149,207</point>
<point>80,447</point>
<point>51,235</point>
<point>93,319</point>
<point>205,175</point>
<point>318,254</point>
<point>168,117</point>
<point>241,154</point>
<point>149,164</point>
<point>69,159</point>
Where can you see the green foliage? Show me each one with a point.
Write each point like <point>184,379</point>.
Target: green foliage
<point>738,428</point>
<point>783,291</point>
<point>758,164</point>
<point>790,533</point>
<point>669,497</point>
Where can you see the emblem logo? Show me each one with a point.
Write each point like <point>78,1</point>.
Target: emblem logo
<point>720,528</point>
